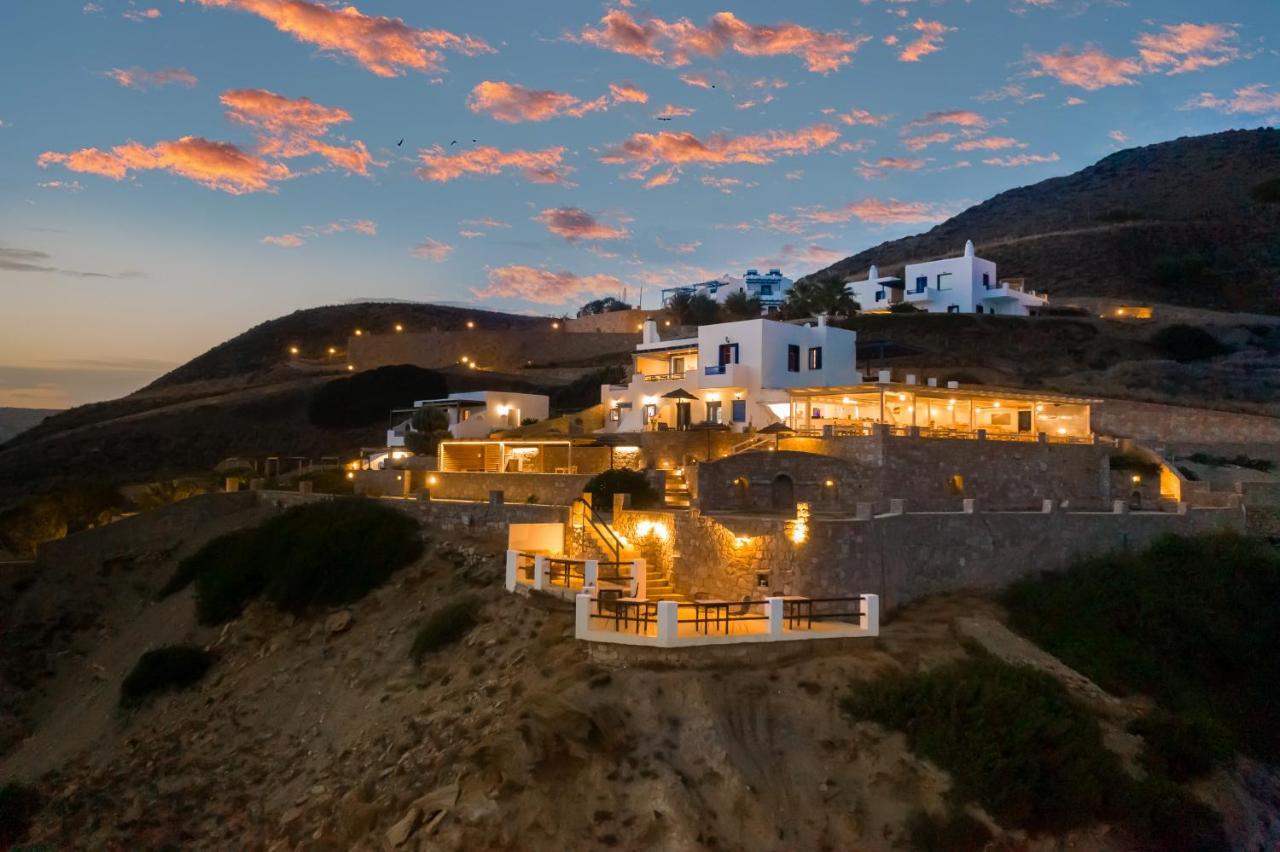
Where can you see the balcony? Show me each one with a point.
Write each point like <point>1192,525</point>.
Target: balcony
<point>722,376</point>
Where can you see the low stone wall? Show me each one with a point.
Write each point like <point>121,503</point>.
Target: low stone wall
<point>448,517</point>
<point>552,488</point>
<point>752,482</point>
<point>900,557</point>
<point>615,322</point>
<point>1172,425</point>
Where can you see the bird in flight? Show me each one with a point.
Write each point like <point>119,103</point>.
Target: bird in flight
<point>664,118</point>
<point>454,142</point>
<point>401,142</point>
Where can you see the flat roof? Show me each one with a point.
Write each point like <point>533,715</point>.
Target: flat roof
<point>984,392</point>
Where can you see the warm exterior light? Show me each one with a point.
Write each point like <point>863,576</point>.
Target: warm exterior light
<point>293,350</point>
<point>713,397</point>
<point>639,326</point>
<point>472,365</point>
<point>1136,479</point>
<point>432,480</point>
<point>830,483</point>
<point>333,350</point>
<point>351,368</point>
<point>555,325</point>
<point>741,541</point>
<point>359,332</point>
<point>471,324</point>
<point>1062,430</point>
<point>902,397</point>
<point>399,327</point>
<point>666,322</point>
<point>350,475</point>
<point>798,530</point>
<point>657,529</point>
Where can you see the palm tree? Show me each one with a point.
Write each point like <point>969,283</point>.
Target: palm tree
<point>810,297</point>
<point>693,309</point>
<point>739,304</point>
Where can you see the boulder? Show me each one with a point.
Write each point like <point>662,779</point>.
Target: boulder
<point>339,622</point>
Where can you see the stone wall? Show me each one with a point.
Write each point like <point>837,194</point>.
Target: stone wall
<point>908,556</point>
<point>615,322</point>
<point>930,473</point>
<point>495,350</point>
<point>558,489</point>
<point>674,449</point>
<point>1172,425</point>
<point>754,482</point>
<point>477,518</point>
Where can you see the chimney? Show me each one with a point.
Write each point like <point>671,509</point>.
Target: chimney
<point>968,248</point>
<point>822,320</point>
<point>650,331</point>
<point>874,274</point>
<point>884,377</point>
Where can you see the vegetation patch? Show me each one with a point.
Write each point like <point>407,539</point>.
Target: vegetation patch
<point>365,398</point>
<point>1182,748</point>
<point>955,831</point>
<point>584,391</point>
<point>1013,741</point>
<point>446,625</point>
<point>322,554</point>
<point>1190,621</point>
<point>164,669</point>
<point>1135,462</point>
<point>1267,191</point>
<point>607,483</point>
<point>1264,465</point>
<point>1183,342</point>
<point>19,803</point>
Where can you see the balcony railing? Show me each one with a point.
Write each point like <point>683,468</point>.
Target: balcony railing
<point>663,377</point>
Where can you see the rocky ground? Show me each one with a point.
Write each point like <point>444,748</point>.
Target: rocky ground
<point>320,733</point>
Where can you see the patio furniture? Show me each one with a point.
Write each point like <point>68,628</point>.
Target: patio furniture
<point>796,608</point>
<point>710,611</point>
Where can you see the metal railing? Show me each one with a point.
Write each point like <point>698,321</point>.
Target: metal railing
<point>638,616</point>
<point>663,377</point>
<point>714,369</point>
<point>801,613</point>
<point>720,616</point>
<point>562,571</point>
<point>601,528</point>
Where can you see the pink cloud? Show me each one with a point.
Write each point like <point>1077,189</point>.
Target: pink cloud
<point>956,117</point>
<point>929,41</point>
<point>1248,100</point>
<point>290,127</point>
<point>1022,160</point>
<point>673,111</point>
<point>872,170</point>
<point>725,184</point>
<point>544,166</point>
<point>1090,69</point>
<point>432,250</point>
<point>216,165</point>
<point>486,222</point>
<point>512,103</point>
<point>856,117</point>
<point>284,240</point>
<point>679,248</point>
<point>367,227</point>
<point>574,224</point>
<point>871,210</point>
<point>1179,48</point>
<point>1119,136</point>
<point>924,140</point>
<point>643,151</point>
<point>628,93</point>
<point>139,78</point>
<point>698,81</point>
<point>811,255</point>
<point>385,46</point>
<point>545,286</point>
<point>137,15</point>
<point>673,42</point>
<point>990,143</point>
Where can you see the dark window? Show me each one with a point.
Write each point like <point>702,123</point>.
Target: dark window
<point>879,295</point>
<point>1024,421</point>
<point>922,283</point>
<point>979,308</point>
<point>986,280</point>
<point>953,309</point>
<point>739,412</point>
<point>815,357</point>
<point>728,353</point>
<point>766,289</point>
<point>677,366</point>
<point>713,412</point>
<point>793,358</point>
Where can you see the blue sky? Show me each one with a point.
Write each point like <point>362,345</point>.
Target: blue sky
<point>140,223</point>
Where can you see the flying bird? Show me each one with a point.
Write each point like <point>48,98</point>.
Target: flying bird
<point>454,142</point>
<point>401,142</point>
<point>664,118</point>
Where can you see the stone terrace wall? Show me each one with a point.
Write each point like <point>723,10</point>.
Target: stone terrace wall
<point>909,556</point>
<point>808,472</point>
<point>1171,424</point>
<point>614,322</point>
<point>500,350</point>
<point>550,488</point>
<point>479,518</point>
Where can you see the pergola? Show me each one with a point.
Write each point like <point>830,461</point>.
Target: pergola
<point>941,411</point>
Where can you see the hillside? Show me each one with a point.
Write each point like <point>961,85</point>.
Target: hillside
<point>1176,222</point>
<point>15,420</point>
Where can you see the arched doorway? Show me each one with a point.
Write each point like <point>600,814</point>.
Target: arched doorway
<point>742,492</point>
<point>783,494</point>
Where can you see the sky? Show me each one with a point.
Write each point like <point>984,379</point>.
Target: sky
<point>173,172</point>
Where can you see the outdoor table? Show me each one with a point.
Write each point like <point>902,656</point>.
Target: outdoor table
<point>626,607</point>
<point>796,607</point>
<point>704,611</point>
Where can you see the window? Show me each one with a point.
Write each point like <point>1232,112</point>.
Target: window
<point>739,411</point>
<point>766,289</point>
<point>980,309</point>
<point>677,366</point>
<point>986,280</point>
<point>1024,420</point>
<point>793,358</point>
<point>815,357</point>
<point>942,275</point>
<point>615,414</point>
<point>954,309</point>
<point>879,295</point>
<point>713,413</point>
<point>922,283</point>
<point>728,353</point>
<point>650,411</point>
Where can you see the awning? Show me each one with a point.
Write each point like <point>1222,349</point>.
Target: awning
<point>926,390</point>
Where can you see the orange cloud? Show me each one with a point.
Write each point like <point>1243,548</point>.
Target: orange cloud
<point>217,165</point>
<point>1249,100</point>
<point>628,93</point>
<point>432,250</point>
<point>673,42</point>
<point>924,140</point>
<point>678,248</point>
<point>855,117</point>
<point>544,166</point>
<point>930,40</point>
<point>1179,48</point>
<point>1090,69</point>
<point>877,169</point>
<point>872,210</point>
<point>957,117</point>
<point>544,286</point>
<point>673,111</point>
<point>698,81</point>
<point>289,127</point>
<point>137,15</point>
<point>512,103</point>
<point>138,78</point>
<point>367,227</point>
<point>574,223</point>
<point>644,151</point>
<point>1022,160</point>
<point>991,143</point>
<point>386,46</point>
<point>486,222</point>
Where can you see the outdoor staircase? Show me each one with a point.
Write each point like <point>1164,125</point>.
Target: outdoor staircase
<point>677,493</point>
<point>660,588</point>
<point>756,442</point>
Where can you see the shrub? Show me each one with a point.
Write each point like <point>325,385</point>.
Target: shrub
<point>445,626</point>
<point>1008,735</point>
<point>603,306</point>
<point>956,831</point>
<point>19,803</point>
<point>171,667</point>
<point>366,398</point>
<point>903,308</point>
<point>1183,342</point>
<point>584,391</point>
<point>1182,748</point>
<point>1190,621</point>
<point>605,484</point>
<point>1266,192</point>
<point>1264,465</point>
<point>320,554</point>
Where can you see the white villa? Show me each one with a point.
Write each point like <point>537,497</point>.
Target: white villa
<point>954,285</point>
<point>472,415</point>
<point>735,374</point>
<point>770,288</point>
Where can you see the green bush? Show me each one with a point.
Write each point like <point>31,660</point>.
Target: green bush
<point>956,831</point>
<point>367,398</point>
<point>1182,748</point>
<point>1008,735</point>
<point>1183,342</point>
<point>605,484</point>
<point>19,804</point>
<point>171,667</point>
<point>445,626</point>
<point>321,554</point>
<point>1190,621</point>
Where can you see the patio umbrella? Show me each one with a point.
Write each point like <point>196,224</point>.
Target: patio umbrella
<point>777,430</point>
<point>680,395</point>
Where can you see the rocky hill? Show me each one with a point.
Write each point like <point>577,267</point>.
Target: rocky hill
<point>1188,222</point>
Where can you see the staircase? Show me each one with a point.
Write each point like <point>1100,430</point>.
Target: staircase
<point>677,493</point>
<point>757,442</point>
<point>660,588</point>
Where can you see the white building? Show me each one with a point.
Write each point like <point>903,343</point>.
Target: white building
<point>734,373</point>
<point>955,285</point>
<point>770,288</point>
<point>472,415</point>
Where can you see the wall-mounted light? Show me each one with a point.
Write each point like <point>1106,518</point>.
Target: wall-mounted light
<point>471,324</point>
<point>432,480</point>
<point>1136,479</point>
<point>399,328</point>
<point>359,332</point>
<point>351,368</point>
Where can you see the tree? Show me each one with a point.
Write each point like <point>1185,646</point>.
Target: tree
<point>428,428</point>
<point>810,297</point>
<point>739,304</point>
<point>365,398</point>
<point>606,305</point>
<point>693,309</point>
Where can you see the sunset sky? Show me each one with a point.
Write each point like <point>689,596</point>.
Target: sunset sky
<point>172,173</point>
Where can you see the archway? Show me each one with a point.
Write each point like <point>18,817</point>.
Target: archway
<point>783,493</point>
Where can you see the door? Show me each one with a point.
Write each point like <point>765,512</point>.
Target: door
<point>683,416</point>
<point>739,411</point>
<point>783,494</point>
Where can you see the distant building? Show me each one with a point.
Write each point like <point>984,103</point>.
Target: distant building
<point>472,415</point>
<point>954,285</point>
<point>770,288</point>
